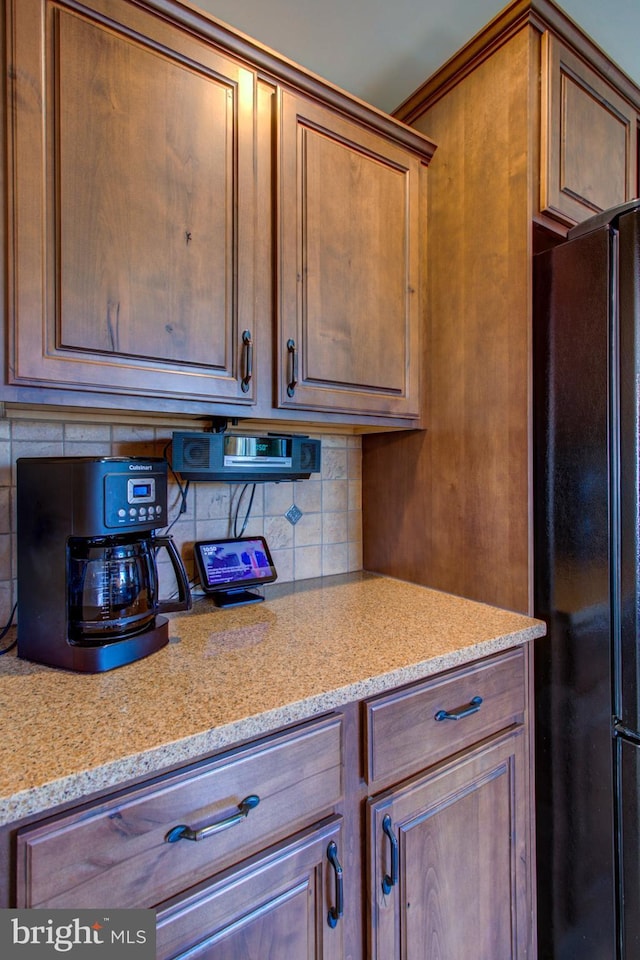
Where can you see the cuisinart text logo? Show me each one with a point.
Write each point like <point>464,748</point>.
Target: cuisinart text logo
<point>81,934</point>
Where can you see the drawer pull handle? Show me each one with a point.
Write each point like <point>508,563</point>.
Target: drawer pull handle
<point>293,367</point>
<point>390,881</point>
<point>247,347</point>
<point>183,832</point>
<point>472,707</point>
<point>336,913</point>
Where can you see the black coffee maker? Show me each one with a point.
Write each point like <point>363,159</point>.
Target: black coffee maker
<point>87,573</point>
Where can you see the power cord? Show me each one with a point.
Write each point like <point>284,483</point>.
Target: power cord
<point>183,491</point>
<point>237,533</point>
<point>6,628</point>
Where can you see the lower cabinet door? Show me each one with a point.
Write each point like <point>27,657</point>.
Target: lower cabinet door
<point>285,904</point>
<point>449,860</point>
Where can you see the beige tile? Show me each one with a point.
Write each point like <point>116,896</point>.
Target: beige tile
<point>308,496</point>
<point>242,495</point>
<point>334,463</point>
<point>212,500</point>
<point>308,530</point>
<point>335,558</point>
<point>354,464</point>
<point>332,440</point>
<point>7,595</point>
<point>6,464</point>
<point>37,431</point>
<point>354,496</point>
<point>86,448</point>
<point>284,560</point>
<point>308,562</point>
<point>355,556</point>
<point>212,529</point>
<point>278,497</point>
<point>334,528</point>
<point>334,495</point>
<point>87,433</point>
<point>278,533</point>
<point>5,509</point>
<point>354,526</point>
<point>5,557</point>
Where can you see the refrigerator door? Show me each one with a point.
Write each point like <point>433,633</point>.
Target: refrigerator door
<point>574,743</point>
<point>629,756</point>
<point>626,446</point>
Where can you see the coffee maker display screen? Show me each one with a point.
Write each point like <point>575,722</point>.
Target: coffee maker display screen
<point>141,491</point>
<point>230,566</point>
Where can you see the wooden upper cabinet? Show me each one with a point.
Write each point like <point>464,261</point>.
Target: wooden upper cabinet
<point>132,205</point>
<point>349,273</point>
<point>589,138</point>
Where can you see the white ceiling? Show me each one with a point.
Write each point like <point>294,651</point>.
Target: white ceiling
<point>381,50</point>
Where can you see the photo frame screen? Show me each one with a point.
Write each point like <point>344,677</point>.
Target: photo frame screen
<point>234,563</point>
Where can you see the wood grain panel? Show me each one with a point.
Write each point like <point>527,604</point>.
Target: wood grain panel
<point>450,508</point>
<point>145,208</point>
<point>589,138</point>
<point>403,735</point>
<point>274,907</point>
<point>463,858</point>
<point>350,245</point>
<point>132,205</point>
<point>116,853</point>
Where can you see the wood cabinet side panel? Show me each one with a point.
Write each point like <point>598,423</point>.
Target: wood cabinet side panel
<point>450,509</point>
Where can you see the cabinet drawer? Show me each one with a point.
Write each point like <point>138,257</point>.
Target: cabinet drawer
<point>403,734</point>
<point>278,905</point>
<point>116,853</point>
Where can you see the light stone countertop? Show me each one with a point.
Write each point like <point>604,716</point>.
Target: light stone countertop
<point>228,676</point>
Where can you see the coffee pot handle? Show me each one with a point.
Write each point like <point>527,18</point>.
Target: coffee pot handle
<point>184,593</point>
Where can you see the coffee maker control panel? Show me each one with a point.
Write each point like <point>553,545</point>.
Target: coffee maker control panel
<point>138,500</point>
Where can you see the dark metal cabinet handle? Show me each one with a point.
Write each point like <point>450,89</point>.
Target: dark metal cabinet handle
<point>247,343</point>
<point>472,707</point>
<point>293,368</point>
<point>336,913</point>
<point>390,881</point>
<point>183,832</point>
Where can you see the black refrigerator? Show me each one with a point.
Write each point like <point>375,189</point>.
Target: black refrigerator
<point>586,396</point>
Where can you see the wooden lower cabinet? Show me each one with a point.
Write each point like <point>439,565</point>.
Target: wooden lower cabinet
<point>449,860</point>
<point>398,826</point>
<point>283,905</point>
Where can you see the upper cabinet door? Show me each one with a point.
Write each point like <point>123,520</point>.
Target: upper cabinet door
<point>348,247</point>
<point>131,183</point>
<point>589,138</point>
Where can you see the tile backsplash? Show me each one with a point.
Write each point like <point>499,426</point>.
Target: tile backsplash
<point>326,539</point>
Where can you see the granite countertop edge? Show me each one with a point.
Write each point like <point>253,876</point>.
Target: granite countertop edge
<point>133,765</point>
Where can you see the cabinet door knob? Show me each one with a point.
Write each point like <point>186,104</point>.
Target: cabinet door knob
<point>391,880</point>
<point>336,913</point>
<point>293,368</point>
<point>247,349</point>
<point>183,832</point>
<point>472,707</point>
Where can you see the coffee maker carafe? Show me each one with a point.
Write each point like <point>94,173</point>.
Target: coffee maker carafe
<point>88,596</point>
